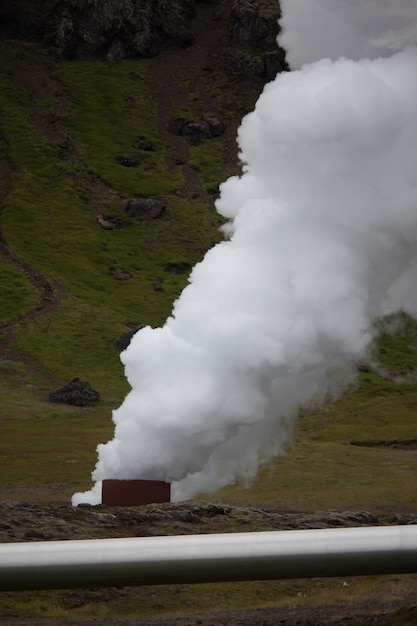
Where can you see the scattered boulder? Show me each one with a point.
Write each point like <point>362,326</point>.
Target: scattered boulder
<point>62,140</point>
<point>178,268</point>
<point>120,274</point>
<point>76,393</point>
<point>145,207</point>
<point>129,160</point>
<point>110,222</point>
<point>136,76</point>
<point>158,285</point>
<point>145,145</point>
<point>216,125</point>
<point>195,130</point>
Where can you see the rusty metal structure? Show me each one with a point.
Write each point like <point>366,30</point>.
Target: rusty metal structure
<point>209,558</point>
<point>135,492</point>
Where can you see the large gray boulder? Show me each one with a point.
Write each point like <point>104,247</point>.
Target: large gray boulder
<point>143,208</point>
<point>195,130</point>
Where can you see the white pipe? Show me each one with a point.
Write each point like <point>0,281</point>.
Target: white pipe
<point>209,558</point>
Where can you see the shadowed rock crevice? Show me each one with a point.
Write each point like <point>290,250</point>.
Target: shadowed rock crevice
<point>403,444</point>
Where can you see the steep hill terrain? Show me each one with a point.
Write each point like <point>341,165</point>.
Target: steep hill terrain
<point>112,148</point>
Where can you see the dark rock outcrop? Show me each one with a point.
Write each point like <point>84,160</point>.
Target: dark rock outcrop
<point>252,51</point>
<point>113,30</point>
<point>195,130</point>
<point>129,160</point>
<point>124,340</point>
<point>145,145</point>
<point>76,393</point>
<point>178,268</point>
<point>242,64</point>
<point>254,24</point>
<point>109,30</point>
<point>145,207</point>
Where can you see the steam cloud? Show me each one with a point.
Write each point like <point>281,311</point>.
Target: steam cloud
<point>321,240</point>
<point>357,29</point>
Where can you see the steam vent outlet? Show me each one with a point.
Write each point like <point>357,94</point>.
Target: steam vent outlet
<point>135,492</point>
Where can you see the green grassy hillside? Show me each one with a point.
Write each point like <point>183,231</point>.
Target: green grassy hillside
<point>69,289</point>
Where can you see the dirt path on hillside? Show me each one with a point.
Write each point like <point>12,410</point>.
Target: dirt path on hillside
<point>193,77</point>
<point>30,72</point>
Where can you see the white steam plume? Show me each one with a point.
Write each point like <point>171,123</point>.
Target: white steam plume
<point>357,29</point>
<point>322,230</point>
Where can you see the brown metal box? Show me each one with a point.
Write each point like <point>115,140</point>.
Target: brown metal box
<point>135,492</point>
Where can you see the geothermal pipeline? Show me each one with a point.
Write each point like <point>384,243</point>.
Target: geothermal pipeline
<point>209,558</point>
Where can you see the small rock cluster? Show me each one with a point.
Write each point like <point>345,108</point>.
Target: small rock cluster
<point>75,393</point>
<point>142,207</point>
<point>195,130</point>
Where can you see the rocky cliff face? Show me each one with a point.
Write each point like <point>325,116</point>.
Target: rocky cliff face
<point>253,50</point>
<point>116,29</point>
<point>99,29</point>
<point>111,30</point>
